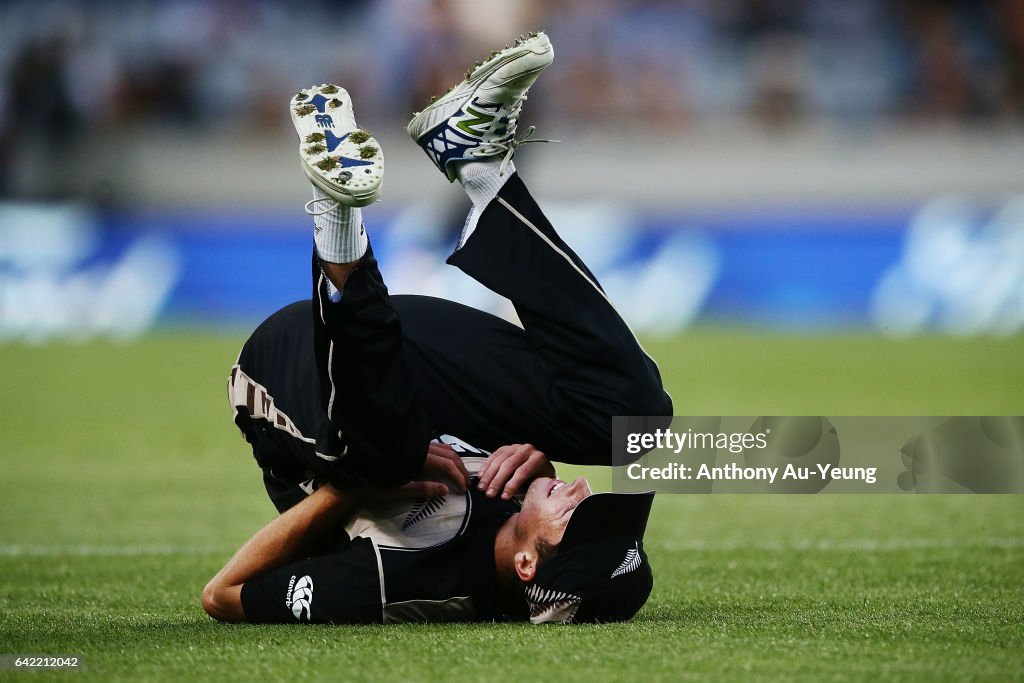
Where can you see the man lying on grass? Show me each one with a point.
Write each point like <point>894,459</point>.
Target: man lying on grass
<point>348,401</point>
<point>427,551</point>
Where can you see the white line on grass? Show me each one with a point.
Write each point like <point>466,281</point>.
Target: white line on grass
<point>109,550</point>
<point>842,545</point>
<point>846,544</point>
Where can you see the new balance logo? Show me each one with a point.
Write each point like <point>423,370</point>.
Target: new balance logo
<point>474,122</point>
<point>324,120</point>
<point>300,597</point>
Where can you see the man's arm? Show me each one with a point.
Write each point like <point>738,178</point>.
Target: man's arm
<point>292,536</point>
<point>286,538</point>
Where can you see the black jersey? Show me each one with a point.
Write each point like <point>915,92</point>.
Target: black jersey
<point>398,561</point>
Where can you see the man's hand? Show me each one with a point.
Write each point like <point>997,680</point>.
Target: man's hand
<point>509,467</point>
<point>443,462</point>
<point>411,489</point>
<point>442,465</point>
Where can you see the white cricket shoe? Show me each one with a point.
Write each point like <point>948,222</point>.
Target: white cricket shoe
<point>477,118</point>
<point>337,156</point>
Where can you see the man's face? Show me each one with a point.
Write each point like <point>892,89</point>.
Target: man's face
<point>547,507</point>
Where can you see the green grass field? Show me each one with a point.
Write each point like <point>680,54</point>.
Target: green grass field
<point>125,488</point>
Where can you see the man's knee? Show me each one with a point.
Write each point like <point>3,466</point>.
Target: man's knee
<point>646,396</point>
<point>654,401</point>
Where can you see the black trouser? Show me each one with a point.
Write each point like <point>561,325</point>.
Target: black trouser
<point>394,371</point>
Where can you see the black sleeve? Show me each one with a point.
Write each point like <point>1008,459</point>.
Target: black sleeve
<point>341,587</point>
<point>378,430</point>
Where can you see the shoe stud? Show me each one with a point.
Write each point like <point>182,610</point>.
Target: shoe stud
<point>305,109</point>
<point>334,104</point>
<point>329,89</point>
<point>359,137</point>
<point>327,163</point>
<point>315,149</point>
<point>315,137</point>
<point>367,152</point>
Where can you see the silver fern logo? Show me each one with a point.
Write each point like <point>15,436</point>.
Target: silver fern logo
<point>551,606</point>
<point>630,563</point>
<point>422,509</point>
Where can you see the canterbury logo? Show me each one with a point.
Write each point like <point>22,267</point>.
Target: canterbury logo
<point>324,120</point>
<point>422,509</point>
<point>300,597</point>
<point>630,563</point>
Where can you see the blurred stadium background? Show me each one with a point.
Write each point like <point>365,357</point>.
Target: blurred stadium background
<point>790,165</point>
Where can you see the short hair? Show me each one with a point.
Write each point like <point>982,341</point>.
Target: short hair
<point>545,551</point>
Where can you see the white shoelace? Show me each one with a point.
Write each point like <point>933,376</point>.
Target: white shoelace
<point>509,147</point>
<point>308,207</point>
